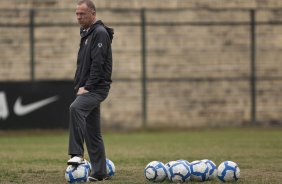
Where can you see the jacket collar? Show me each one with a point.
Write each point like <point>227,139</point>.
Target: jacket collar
<point>85,33</point>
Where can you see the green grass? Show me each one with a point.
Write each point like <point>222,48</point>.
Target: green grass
<point>40,157</point>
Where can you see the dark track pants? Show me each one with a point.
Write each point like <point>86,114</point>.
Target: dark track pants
<point>85,126</point>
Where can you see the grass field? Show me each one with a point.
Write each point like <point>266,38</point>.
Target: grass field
<point>40,157</point>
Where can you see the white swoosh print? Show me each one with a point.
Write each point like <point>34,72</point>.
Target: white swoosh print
<point>22,110</point>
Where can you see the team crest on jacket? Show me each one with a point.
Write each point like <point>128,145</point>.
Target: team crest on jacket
<point>100,45</point>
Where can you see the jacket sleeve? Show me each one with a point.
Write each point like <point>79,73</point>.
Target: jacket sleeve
<point>99,50</point>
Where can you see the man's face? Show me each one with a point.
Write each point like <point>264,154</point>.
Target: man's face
<point>85,16</point>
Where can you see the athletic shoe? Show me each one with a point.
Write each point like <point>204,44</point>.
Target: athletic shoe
<point>95,179</point>
<point>76,160</point>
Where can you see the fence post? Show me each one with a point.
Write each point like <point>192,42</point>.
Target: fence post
<point>253,78</point>
<point>143,68</point>
<point>31,40</point>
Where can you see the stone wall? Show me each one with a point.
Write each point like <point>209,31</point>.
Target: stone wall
<point>198,74</point>
<point>172,4</point>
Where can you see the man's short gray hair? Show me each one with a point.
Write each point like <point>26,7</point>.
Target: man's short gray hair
<point>88,3</point>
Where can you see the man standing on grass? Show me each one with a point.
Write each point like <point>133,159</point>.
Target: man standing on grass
<point>92,84</point>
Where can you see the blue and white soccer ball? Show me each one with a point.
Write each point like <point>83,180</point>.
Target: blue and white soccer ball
<point>111,169</point>
<point>199,171</point>
<point>169,164</point>
<point>212,169</point>
<point>228,171</point>
<point>155,171</point>
<point>179,172</point>
<point>185,161</point>
<point>78,173</point>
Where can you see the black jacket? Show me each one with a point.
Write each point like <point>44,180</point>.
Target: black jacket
<point>94,60</point>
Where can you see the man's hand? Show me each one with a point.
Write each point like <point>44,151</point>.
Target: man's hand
<point>81,91</point>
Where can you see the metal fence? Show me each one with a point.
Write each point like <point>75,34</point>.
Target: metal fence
<point>150,21</point>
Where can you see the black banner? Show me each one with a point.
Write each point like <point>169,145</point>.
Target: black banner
<point>31,105</point>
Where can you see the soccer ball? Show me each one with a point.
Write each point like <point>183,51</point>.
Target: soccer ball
<point>78,173</point>
<point>212,169</point>
<point>155,171</point>
<point>228,171</point>
<point>111,169</point>
<point>179,172</point>
<point>185,161</point>
<point>169,164</point>
<point>199,171</point>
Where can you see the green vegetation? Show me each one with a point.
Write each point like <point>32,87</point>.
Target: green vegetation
<point>40,157</point>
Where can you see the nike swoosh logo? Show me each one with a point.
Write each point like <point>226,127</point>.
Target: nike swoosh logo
<point>22,110</point>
